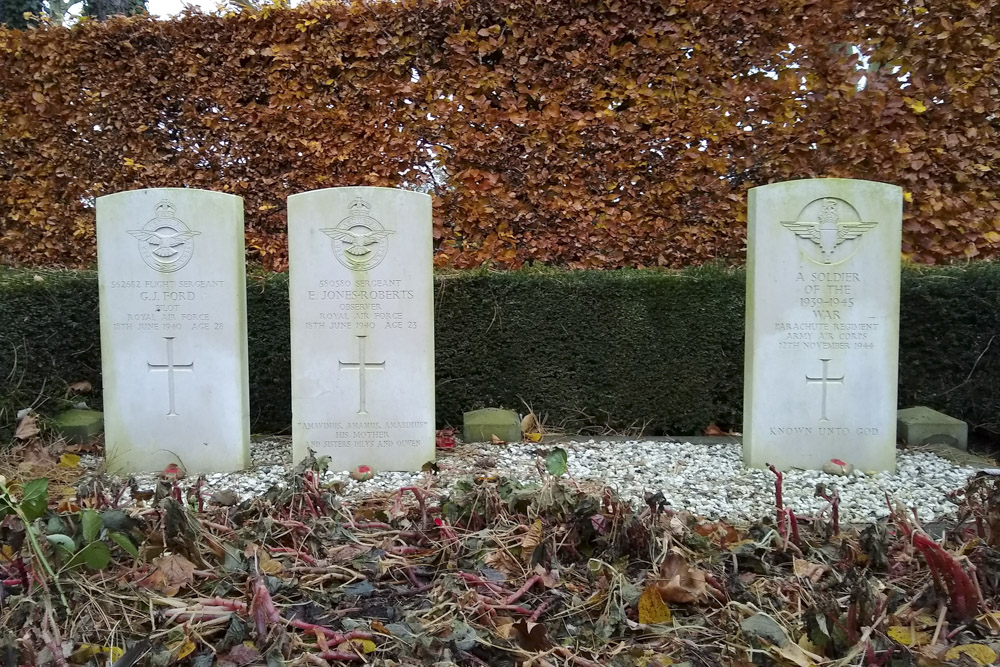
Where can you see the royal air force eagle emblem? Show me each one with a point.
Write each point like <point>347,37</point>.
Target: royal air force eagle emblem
<point>165,242</point>
<point>359,240</point>
<point>828,224</point>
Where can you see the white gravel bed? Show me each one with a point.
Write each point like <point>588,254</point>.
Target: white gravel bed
<point>708,480</point>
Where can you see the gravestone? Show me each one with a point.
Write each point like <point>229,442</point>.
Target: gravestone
<point>171,272</point>
<point>361,294</point>
<point>822,327</point>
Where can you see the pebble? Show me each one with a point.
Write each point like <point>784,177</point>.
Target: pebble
<point>708,480</point>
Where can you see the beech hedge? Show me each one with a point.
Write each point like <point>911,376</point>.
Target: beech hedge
<point>572,133</point>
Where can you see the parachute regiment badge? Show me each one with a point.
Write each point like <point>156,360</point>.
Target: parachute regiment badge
<point>822,223</point>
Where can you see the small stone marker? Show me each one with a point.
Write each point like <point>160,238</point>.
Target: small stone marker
<point>482,425</point>
<point>79,426</point>
<point>925,426</point>
<point>822,335</point>
<point>171,272</point>
<point>362,302</point>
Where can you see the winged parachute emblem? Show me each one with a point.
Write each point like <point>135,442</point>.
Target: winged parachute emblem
<point>828,231</point>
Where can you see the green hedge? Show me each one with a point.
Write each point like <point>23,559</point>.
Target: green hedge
<point>660,350</point>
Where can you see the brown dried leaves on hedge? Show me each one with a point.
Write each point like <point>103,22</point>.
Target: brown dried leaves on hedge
<point>595,134</point>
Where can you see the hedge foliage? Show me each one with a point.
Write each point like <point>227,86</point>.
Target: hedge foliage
<point>582,133</point>
<point>657,349</point>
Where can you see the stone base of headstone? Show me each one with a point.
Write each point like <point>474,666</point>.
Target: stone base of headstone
<point>483,425</point>
<point>924,426</point>
<point>79,426</point>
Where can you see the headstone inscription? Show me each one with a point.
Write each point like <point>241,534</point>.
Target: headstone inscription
<point>361,294</point>
<point>171,273</point>
<point>822,327</point>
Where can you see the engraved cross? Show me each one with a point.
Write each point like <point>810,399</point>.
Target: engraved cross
<point>825,379</point>
<point>170,367</point>
<point>361,366</point>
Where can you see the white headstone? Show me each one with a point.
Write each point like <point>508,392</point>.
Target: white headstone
<point>822,335</point>
<point>362,302</point>
<point>172,281</point>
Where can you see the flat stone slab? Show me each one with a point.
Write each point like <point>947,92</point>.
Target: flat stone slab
<point>924,426</point>
<point>79,426</point>
<point>483,425</point>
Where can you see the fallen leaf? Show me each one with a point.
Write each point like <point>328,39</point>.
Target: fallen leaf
<point>67,506</point>
<point>504,627</point>
<point>88,652</point>
<point>242,655</point>
<point>186,649</point>
<point>82,387</point>
<point>529,424</point>
<point>908,636</point>
<point>531,540</point>
<point>811,571</point>
<point>991,620</point>
<point>796,654</point>
<point>27,428</point>
<point>501,561</point>
<point>531,636</point>
<point>362,646</point>
<point>497,441</point>
<point>712,429</point>
<point>806,645</point>
<point>652,608</point>
<point>69,460</point>
<point>170,573</point>
<point>679,582</point>
<point>981,654</point>
<point>549,578</point>
<point>720,533</point>
<point>269,565</point>
<point>346,552</point>
<point>36,456</point>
